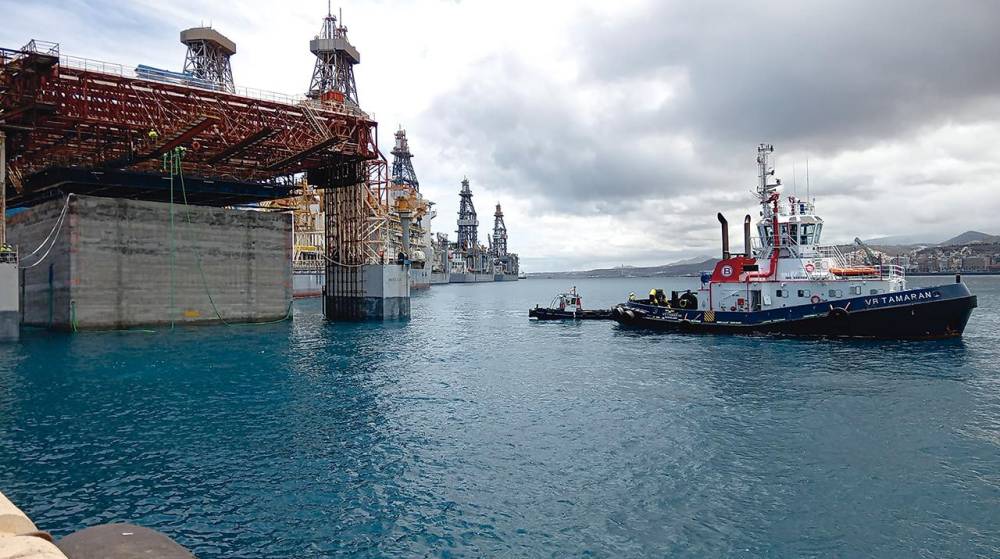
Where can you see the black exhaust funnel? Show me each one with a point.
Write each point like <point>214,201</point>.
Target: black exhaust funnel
<point>746,236</point>
<point>725,237</point>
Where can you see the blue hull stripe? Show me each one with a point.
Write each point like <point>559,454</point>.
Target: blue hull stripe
<point>798,312</point>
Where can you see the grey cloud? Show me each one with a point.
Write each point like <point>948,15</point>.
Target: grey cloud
<point>509,117</point>
<point>820,75</point>
<point>817,77</point>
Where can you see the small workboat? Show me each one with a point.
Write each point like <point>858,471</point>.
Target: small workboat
<point>568,306</point>
<point>787,283</point>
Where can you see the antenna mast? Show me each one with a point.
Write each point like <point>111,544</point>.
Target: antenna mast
<point>795,181</point>
<point>807,180</point>
<point>764,172</point>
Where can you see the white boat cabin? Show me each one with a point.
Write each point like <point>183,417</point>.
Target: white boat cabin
<point>569,302</point>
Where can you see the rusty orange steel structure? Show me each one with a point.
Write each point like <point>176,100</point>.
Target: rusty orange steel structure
<point>61,111</point>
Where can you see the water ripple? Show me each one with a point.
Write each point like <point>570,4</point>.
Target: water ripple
<point>470,431</point>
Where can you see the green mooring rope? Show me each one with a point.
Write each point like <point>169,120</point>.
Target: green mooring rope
<point>173,161</point>
<point>172,164</point>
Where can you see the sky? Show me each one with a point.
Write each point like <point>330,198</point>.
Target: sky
<point>612,132</point>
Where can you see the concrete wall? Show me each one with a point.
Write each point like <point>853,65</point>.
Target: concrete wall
<point>45,282</point>
<point>10,318</point>
<point>123,267</point>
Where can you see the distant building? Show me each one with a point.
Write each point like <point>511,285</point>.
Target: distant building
<point>975,263</point>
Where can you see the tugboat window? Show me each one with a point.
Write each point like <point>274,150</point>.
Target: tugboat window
<point>804,293</point>
<point>836,293</point>
<point>805,234</point>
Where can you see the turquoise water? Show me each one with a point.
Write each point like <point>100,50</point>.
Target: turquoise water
<point>471,431</point>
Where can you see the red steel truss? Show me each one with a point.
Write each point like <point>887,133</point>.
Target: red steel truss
<point>61,112</point>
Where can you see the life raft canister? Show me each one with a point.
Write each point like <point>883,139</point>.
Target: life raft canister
<point>810,268</point>
<point>815,299</point>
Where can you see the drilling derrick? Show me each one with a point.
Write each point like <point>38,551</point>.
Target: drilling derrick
<point>366,269</point>
<point>468,223</point>
<point>499,241</point>
<point>333,76</point>
<point>208,56</point>
<point>402,164</point>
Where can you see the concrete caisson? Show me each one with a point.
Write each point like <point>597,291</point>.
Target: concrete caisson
<point>10,328</point>
<point>368,292</point>
<point>116,263</point>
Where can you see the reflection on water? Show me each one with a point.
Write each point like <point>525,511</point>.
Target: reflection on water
<point>471,431</point>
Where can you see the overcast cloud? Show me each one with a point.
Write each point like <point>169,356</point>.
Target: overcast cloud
<point>612,134</point>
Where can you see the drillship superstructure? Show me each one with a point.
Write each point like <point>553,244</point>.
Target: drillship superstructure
<point>406,192</point>
<point>307,238</point>
<point>788,283</point>
<point>441,262</point>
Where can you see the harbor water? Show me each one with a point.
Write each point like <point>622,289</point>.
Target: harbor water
<point>470,431</point>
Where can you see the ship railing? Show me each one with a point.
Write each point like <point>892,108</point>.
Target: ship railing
<point>832,252</point>
<point>891,271</point>
<point>165,76</point>
<point>312,265</point>
<point>41,47</point>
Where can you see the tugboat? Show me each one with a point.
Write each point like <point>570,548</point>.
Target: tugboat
<point>568,306</point>
<point>789,284</point>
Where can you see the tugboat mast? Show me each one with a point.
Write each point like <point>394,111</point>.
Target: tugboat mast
<point>765,188</point>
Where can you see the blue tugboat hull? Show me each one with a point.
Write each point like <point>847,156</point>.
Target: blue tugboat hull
<point>925,313</point>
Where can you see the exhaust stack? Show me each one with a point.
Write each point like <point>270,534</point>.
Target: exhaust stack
<point>746,236</point>
<point>725,237</point>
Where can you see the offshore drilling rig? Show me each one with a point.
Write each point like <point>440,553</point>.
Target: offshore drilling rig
<point>505,264</point>
<point>146,165</point>
<point>471,262</point>
<point>367,265</point>
<point>407,199</point>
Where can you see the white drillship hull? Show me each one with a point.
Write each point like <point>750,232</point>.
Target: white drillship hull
<point>420,278</point>
<point>307,284</point>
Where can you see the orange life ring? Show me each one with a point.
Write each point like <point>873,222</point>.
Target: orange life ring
<point>810,268</point>
<point>195,145</point>
<point>815,299</point>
